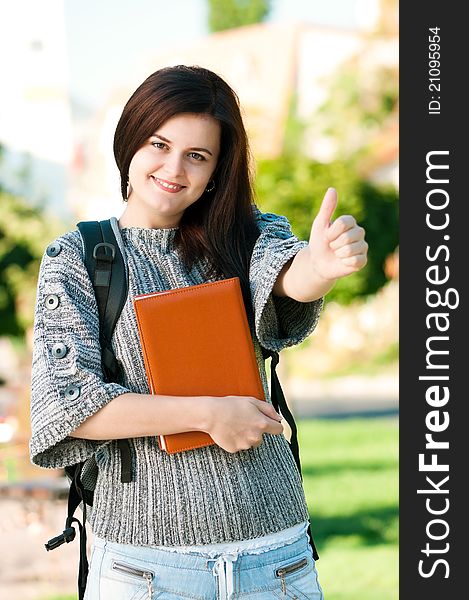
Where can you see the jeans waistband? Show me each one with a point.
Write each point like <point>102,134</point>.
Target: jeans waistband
<point>199,560</point>
<point>250,546</point>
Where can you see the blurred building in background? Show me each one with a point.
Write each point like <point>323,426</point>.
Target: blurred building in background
<point>59,152</point>
<point>35,114</point>
<point>270,66</point>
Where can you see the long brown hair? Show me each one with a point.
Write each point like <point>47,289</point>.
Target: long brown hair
<point>220,225</point>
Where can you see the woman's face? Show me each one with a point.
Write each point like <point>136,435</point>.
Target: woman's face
<point>171,170</point>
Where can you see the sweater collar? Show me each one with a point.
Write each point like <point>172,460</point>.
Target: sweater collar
<point>161,238</point>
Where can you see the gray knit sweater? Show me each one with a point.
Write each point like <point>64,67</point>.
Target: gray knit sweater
<point>200,496</point>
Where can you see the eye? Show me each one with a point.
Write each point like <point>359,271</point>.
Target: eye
<point>159,145</point>
<point>197,156</point>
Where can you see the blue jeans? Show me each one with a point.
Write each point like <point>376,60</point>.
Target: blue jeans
<point>120,571</point>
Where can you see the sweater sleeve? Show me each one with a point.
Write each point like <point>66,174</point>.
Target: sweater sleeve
<point>279,321</point>
<point>67,384</point>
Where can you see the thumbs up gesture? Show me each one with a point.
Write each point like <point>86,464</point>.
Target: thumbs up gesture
<point>336,248</point>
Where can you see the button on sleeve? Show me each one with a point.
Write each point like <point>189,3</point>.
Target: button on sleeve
<point>67,384</point>
<point>51,301</point>
<point>59,350</point>
<point>53,249</point>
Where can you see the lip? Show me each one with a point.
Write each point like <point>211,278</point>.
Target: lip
<point>163,183</point>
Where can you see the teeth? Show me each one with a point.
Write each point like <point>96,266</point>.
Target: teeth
<point>168,185</point>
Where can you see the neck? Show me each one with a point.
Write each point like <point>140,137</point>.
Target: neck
<point>133,217</point>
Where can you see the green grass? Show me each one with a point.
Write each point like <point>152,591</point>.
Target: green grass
<point>350,475</point>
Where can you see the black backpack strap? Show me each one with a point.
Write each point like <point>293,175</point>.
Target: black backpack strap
<point>75,497</point>
<point>280,404</point>
<point>106,268</point>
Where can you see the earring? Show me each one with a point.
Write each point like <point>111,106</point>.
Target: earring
<point>129,190</point>
<point>211,188</point>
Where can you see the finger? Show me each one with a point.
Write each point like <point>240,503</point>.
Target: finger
<point>356,262</point>
<point>268,410</point>
<point>355,234</point>
<point>328,205</point>
<point>351,249</point>
<point>339,226</point>
<point>274,428</point>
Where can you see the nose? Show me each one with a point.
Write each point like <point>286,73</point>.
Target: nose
<point>173,165</point>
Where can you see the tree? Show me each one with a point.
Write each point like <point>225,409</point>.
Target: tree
<point>228,14</point>
<point>25,230</point>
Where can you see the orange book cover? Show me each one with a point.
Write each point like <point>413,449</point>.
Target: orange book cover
<point>196,341</point>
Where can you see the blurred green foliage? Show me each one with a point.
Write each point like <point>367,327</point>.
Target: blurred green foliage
<point>25,230</point>
<point>228,14</point>
<point>361,103</point>
<point>294,186</point>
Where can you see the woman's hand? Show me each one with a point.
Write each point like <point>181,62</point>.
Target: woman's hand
<point>337,248</point>
<point>238,422</point>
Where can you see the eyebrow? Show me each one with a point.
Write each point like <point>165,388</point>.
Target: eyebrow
<point>169,142</point>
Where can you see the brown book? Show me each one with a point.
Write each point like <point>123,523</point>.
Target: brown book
<point>196,341</point>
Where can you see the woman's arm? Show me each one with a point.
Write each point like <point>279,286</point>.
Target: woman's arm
<point>298,281</point>
<point>234,422</point>
<point>138,415</point>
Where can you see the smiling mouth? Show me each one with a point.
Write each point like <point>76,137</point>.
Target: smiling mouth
<point>166,185</point>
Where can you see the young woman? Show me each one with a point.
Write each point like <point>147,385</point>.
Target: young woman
<point>228,520</point>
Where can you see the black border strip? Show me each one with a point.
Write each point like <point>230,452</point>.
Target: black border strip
<point>433,131</point>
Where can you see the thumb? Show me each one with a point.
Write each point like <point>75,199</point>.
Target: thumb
<point>327,207</point>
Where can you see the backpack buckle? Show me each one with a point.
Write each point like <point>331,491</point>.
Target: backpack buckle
<point>67,536</point>
<point>104,255</point>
